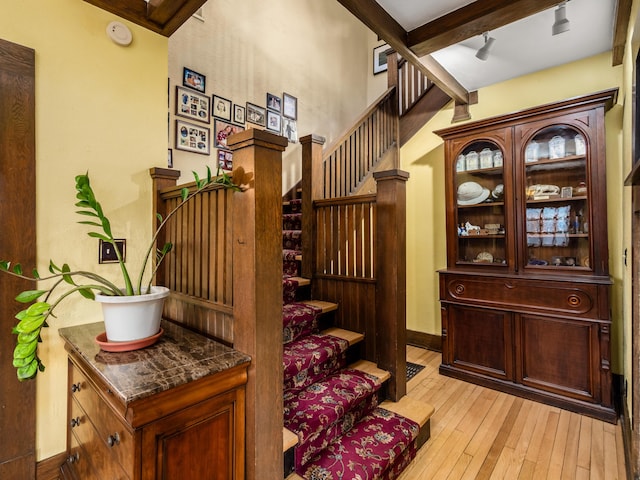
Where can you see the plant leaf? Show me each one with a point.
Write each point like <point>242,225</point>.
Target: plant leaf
<point>29,296</point>
<point>87,293</point>
<point>21,362</point>
<point>29,371</point>
<point>30,324</point>
<point>184,193</point>
<point>24,350</point>
<point>102,237</point>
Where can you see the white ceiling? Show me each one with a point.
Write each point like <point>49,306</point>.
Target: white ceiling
<point>521,47</point>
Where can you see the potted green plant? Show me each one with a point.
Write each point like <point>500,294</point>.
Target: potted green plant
<point>90,285</point>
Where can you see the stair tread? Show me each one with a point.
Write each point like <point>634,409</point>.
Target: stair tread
<point>372,369</point>
<point>289,439</point>
<point>348,335</point>
<point>295,476</point>
<point>416,410</point>
<point>322,305</point>
<point>301,281</point>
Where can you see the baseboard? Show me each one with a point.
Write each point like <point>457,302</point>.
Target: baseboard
<point>49,468</point>
<point>627,441</point>
<point>424,340</point>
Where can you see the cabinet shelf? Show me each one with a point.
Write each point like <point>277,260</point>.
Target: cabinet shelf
<point>556,200</point>
<point>481,205</point>
<point>571,161</point>
<point>484,171</point>
<point>475,237</point>
<point>551,235</point>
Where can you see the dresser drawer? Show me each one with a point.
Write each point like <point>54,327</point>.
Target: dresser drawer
<point>110,432</point>
<point>506,293</point>
<point>94,450</point>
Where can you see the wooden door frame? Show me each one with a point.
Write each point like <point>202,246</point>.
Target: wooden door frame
<point>17,243</point>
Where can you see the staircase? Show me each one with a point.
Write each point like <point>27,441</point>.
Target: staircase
<point>337,424</point>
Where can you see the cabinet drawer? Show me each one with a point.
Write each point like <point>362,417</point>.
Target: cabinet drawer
<point>557,298</point>
<point>109,428</point>
<point>94,449</point>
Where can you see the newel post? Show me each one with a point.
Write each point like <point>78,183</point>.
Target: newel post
<point>257,293</point>
<point>391,281</point>
<point>312,189</point>
<point>162,178</point>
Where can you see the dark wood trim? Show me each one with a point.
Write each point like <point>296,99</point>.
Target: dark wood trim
<point>423,111</point>
<point>18,245</point>
<point>160,16</point>
<point>424,340</point>
<point>49,468</point>
<point>377,19</point>
<point>623,14</point>
<point>471,20</point>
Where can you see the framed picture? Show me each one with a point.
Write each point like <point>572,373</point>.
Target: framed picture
<point>222,130</point>
<point>194,80</point>
<point>192,105</point>
<point>274,103</point>
<point>256,114</point>
<point>380,59</point>
<point>289,106</point>
<point>192,138</point>
<point>225,159</point>
<point>239,116</point>
<point>274,122</point>
<point>290,129</point>
<point>221,108</point>
<point>170,157</point>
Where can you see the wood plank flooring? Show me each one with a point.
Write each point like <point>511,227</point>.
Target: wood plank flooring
<point>478,433</point>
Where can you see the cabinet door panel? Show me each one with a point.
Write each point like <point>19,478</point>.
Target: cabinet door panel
<point>481,341</point>
<point>199,442</point>
<point>558,356</point>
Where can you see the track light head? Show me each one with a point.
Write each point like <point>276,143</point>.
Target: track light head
<point>483,52</point>
<point>561,24</point>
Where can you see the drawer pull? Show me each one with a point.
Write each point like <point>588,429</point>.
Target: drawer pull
<point>574,300</point>
<point>75,387</point>
<point>509,286</point>
<point>459,289</point>
<point>75,422</point>
<point>113,439</point>
<point>74,457</point>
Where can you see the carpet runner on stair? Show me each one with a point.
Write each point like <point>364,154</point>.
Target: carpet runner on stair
<point>342,432</point>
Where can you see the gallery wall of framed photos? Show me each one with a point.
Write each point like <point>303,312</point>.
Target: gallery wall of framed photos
<point>202,120</point>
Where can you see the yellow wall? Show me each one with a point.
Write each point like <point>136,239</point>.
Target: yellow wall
<point>315,51</point>
<point>99,107</point>
<point>423,158</point>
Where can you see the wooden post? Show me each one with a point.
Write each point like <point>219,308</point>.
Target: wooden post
<point>162,178</point>
<point>257,293</point>
<point>312,189</point>
<point>391,272</point>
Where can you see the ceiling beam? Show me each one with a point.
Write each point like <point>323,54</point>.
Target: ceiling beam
<point>471,20</point>
<point>378,20</point>
<point>623,14</point>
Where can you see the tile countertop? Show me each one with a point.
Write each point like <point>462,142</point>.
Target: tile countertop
<point>180,356</point>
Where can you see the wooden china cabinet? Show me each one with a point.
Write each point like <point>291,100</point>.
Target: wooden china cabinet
<point>525,295</point>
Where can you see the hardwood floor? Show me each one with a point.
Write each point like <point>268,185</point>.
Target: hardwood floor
<point>478,433</point>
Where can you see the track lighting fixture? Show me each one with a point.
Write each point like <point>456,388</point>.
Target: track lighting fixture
<point>483,52</point>
<point>561,24</point>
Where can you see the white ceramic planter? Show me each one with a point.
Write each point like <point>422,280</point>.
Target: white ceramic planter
<point>129,318</point>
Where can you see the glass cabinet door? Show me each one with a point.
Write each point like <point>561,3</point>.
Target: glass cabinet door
<point>480,206</point>
<point>557,217</point>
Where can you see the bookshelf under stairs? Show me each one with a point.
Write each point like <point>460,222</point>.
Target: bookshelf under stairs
<point>337,423</point>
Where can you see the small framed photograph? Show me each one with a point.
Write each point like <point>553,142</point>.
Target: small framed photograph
<point>225,159</point>
<point>222,130</point>
<point>192,105</point>
<point>169,157</point>
<point>274,122</point>
<point>274,103</point>
<point>194,80</point>
<point>289,106</point>
<point>256,114</point>
<point>239,115</point>
<point>221,108</point>
<point>290,129</point>
<point>192,138</point>
<point>380,59</point>
<point>566,192</point>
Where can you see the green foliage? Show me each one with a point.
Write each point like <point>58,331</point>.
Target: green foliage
<point>43,302</point>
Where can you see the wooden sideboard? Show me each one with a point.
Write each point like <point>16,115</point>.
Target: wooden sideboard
<point>172,410</point>
<point>526,293</point>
